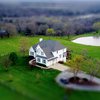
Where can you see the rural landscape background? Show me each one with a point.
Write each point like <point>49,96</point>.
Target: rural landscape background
<point>24,23</point>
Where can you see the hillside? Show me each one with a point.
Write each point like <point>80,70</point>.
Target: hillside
<point>38,84</point>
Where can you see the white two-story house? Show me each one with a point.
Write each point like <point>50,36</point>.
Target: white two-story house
<point>48,52</point>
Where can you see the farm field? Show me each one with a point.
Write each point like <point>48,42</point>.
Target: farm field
<point>38,84</point>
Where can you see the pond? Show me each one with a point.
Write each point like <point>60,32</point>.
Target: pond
<point>91,40</point>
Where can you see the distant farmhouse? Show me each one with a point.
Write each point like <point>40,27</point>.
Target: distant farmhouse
<point>3,33</point>
<point>48,52</point>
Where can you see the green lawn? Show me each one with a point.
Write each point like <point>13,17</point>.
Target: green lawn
<point>12,44</point>
<point>7,94</point>
<point>39,84</point>
<point>36,84</point>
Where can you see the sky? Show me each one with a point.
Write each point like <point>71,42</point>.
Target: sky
<point>43,0</point>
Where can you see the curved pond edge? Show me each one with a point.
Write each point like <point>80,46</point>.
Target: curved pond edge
<point>88,40</point>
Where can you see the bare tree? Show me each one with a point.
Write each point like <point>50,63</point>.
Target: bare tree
<point>24,45</point>
<point>10,28</point>
<point>42,29</point>
<point>68,30</point>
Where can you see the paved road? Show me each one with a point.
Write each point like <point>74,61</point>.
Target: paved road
<point>67,75</point>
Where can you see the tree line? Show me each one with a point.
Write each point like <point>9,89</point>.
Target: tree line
<point>43,25</point>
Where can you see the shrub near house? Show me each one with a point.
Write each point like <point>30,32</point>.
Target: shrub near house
<point>13,57</point>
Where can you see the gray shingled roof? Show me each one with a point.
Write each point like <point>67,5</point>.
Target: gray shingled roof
<point>49,46</point>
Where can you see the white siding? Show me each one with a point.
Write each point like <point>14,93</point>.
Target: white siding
<point>49,63</point>
<point>39,51</point>
<point>59,54</point>
<point>55,53</point>
<point>31,52</point>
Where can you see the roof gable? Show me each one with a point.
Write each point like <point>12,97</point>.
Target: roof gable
<point>49,46</point>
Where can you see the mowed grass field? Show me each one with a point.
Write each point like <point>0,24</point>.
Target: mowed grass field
<point>38,84</point>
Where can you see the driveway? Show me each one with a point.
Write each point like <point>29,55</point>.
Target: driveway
<point>67,74</point>
<point>59,67</point>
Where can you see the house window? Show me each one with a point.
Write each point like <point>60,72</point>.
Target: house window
<point>64,54</point>
<point>44,61</point>
<point>60,56</point>
<point>38,51</point>
<point>32,53</point>
<point>42,53</point>
<point>38,59</point>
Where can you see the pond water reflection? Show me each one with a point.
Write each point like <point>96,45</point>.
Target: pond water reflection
<point>91,40</point>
